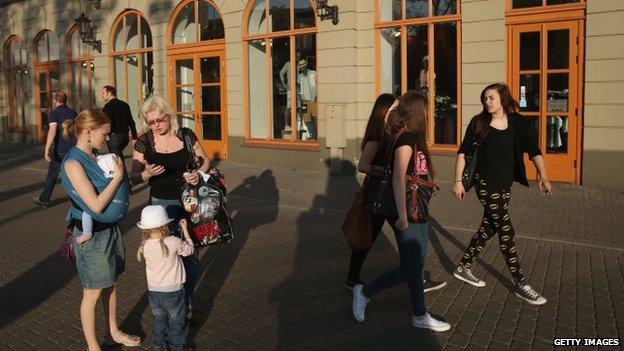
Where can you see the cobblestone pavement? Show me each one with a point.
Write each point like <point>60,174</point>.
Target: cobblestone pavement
<point>279,285</point>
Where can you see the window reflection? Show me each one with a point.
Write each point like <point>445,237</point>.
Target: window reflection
<point>390,61</point>
<point>279,14</point>
<point>557,134</point>
<point>444,7</point>
<point>257,88</point>
<point>529,92</point>
<point>184,27</point>
<point>390,10</point>
<point>211,26</point>
<point>445,121</point>
<point>416,8</point>
<point>304,14</point>
<point>257,18</point>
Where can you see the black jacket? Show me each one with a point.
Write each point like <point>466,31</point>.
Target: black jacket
<point>120,116</point>
<point>525,140</point>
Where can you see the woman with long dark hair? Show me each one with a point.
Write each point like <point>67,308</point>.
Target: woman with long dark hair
<point>369,164</point>
<point>504,136</point>
<point>410,119</point>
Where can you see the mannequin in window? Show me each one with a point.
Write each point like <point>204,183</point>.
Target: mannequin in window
<point>424,74</point>
<point>284,121</point>
<point>306,98</point>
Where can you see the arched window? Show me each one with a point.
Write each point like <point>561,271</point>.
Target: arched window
<point>132,59</point>
<point>197,21</point>
<point>46,47</point>
<point>48,78</point>
<point>16,74</point>
<point>81,72</point>
<point>418,47</point>
<point>280,38</point>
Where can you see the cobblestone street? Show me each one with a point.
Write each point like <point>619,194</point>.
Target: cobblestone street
<point>280,284</point>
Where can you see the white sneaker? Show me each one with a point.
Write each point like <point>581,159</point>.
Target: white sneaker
<point>359,303</point>
<point>427,322</point>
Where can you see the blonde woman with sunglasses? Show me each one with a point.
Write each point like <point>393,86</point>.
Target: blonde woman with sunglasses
<point>161,158</point>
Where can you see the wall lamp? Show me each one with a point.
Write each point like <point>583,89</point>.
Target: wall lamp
<point>86,29</point>
<point>327,12</point>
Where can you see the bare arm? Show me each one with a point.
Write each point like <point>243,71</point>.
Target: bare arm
<point>199,151</point>
<point>402,156</point>
<point>369,152</point>
<point>542,179</point>
<point>49,140</point>
<point>84,188</point>
<point>458,186</point>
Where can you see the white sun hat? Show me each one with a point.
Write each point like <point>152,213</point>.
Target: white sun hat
<point>153,216</point>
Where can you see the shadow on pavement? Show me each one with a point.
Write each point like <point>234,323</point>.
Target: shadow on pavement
<point>222,258</point>
<point>314,307</point>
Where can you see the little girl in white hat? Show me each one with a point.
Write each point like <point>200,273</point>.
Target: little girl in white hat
<point>165,275</point>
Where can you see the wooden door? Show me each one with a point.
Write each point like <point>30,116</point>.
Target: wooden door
<point>545,81</point>
<point>48,79</point>
<point>198,93</point>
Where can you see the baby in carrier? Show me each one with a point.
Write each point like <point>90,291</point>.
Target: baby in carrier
<point>107,164</point>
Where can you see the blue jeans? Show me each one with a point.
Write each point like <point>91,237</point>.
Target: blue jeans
<point>412,249</point>
<point>169,312</point>
<point>191,263</point>
<point>53,172</point>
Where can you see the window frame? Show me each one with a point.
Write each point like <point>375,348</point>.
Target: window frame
<point>198,43</point>
<point>121,20</point>
<point>10,68</point>
<point>544,9</point>
<point>293,143</point>
<point>77,102</point>
<point>430,21</point>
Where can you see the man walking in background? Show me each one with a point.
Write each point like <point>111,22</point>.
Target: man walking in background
<point>60,114</point>
<point>121,120</point>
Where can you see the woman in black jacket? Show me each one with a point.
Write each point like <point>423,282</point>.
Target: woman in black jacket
<point>504,136</point>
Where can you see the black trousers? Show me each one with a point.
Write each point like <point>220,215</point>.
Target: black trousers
<point>117,143</point>
<point>358,257</point>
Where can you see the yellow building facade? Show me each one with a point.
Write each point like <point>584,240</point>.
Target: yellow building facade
<point>268,82</point>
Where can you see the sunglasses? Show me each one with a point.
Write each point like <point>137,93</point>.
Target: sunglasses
<point>160,120</point>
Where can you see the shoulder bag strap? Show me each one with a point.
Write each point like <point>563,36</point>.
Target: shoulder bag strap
<point>188,144</point>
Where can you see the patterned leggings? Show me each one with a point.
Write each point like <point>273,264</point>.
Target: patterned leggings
<point>495,220</point>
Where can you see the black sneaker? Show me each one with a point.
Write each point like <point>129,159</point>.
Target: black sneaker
<point>431,285</point>
<point>349,284</point>
<point>40,203</point>
<point>463,273</point>
<point>525,292</point>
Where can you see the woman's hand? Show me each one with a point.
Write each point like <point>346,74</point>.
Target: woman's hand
<point>153,170</point>
<point>191,178</point>
<point>544,186</point>
<point>82,238</point>
<point>119,168</point>
<point>459,191</point>
<point>401,223</point>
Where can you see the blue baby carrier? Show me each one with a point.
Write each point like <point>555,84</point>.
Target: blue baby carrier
<point>118,206</point>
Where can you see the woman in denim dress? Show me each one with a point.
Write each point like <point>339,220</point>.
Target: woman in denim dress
<point>100,259</point>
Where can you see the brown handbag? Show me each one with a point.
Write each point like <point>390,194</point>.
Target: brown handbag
<point>357,226</point>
